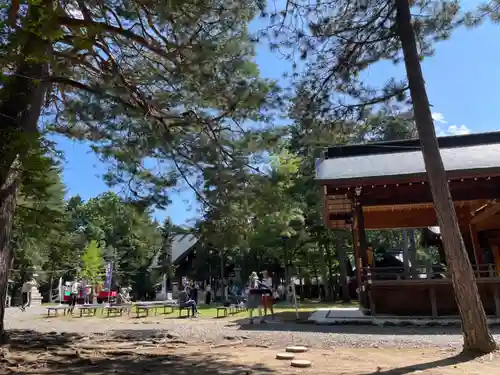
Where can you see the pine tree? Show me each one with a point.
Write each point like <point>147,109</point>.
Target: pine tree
<point>159,79</point>
<point>341,39</point>
<point>167,267</point>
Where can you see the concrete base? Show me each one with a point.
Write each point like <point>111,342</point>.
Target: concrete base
<point>35,298</point>
<point>356,316</point>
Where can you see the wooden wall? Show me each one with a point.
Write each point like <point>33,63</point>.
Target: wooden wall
<point>427,297</point>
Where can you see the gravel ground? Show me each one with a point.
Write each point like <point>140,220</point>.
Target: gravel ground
<point>215,331</point>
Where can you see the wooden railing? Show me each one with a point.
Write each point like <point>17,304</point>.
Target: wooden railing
<point>397,273</point>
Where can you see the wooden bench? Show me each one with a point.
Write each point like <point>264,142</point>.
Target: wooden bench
<point>117,309</point>
<point>56,310</point>
<point>184,308</point>
<point>89,310</point>
<point>224,310</point>
<point>154,307</point>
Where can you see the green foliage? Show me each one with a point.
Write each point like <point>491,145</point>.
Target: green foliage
<point>335,43</point>
<point>92,263</point>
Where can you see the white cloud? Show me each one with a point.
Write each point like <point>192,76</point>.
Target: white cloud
<point>442,127</point>
<point>439,117</point>
<point>458,130</point>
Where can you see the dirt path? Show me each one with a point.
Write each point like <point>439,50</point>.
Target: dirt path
<point>212,331</point>
<point>68,354</point>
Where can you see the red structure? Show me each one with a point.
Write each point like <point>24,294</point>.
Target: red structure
<point>384,186</point>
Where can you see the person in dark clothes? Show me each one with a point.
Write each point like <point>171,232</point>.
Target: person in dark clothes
<point>186,301</point>
<point>208,294</point>
<point>194,292</point>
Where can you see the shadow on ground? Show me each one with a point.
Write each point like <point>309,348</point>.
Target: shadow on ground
<point>421,367</point>
<point>33,341</point>
<point>288,322</point>
<point>30,352</point>
<point>165,364</point>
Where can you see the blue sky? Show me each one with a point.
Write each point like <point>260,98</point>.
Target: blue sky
<point>463,84</point>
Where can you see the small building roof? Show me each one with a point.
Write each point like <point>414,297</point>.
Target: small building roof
<point>181,244</point>
<point>474,153</point>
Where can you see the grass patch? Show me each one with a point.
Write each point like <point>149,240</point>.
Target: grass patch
<point>284,312</point>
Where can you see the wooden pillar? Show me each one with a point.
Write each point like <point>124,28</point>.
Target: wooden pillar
<point>413,252</point>
<point>361,233</point>
<point>496,297</point>
<point>406,255</point>
<point>432,296</point>
<point>356,258</point>
<point>476,249</point>
<point>362,248</point>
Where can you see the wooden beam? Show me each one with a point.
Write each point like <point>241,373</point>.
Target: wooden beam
<point>476,248</point>
<point>487,212</point>
<point>385,195</point>
<point>405,179</point>
<point>409,218</point>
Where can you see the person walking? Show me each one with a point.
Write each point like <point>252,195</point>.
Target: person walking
<point>26,294</point>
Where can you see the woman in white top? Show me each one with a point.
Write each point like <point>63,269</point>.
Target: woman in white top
<point>25,293</point>
<point>267,299</point>
<point>254,295</point>
<point>75,288</point>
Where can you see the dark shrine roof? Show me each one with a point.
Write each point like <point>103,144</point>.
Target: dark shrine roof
<point>472,152</point>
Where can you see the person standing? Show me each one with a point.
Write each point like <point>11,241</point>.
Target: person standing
<point>194,292</point>
<point>267,296</point>
<point>73,297</point>
<point>26,294</point>
<point>254,296</point>
<point>208,294</point>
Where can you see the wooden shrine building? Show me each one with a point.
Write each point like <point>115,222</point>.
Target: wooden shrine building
<point>384,186</point>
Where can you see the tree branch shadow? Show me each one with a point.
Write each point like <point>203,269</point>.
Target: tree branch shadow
<point>56,353</point>
<point>450,361</point>
<point>24,340</point>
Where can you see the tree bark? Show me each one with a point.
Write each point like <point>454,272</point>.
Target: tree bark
<point>477,337</point>
<point>51,282</point>
<point>8,193</point>
<point>21,101</point>
<point>343,270</point>
<point>331,282</point>
<point>324,271</point>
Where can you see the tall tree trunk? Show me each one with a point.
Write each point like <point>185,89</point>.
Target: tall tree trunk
<point>170,269</point>
<point>331,281</point>
<point>8,193</point>
<point>51,283</point>
<point>21,101</point>
<point>343,270</point>
<point>324,270</point>
<point>223,290</point>
<point>477,337</point>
